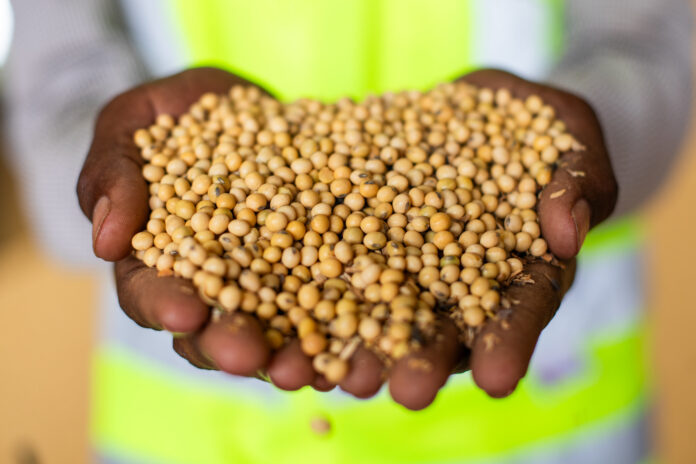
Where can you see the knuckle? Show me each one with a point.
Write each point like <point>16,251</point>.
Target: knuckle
<point>126,278</point>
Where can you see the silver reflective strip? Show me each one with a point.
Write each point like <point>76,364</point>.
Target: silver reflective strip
<point>625,440</point>
<point>515,35</point>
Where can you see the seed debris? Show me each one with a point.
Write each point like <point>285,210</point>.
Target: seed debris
<point>490,340</point>
<point>557,194</point>
<point>420,364</point>
<point>576,173</point>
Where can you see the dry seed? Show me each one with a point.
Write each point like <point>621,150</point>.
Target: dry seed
<point>367,216</point>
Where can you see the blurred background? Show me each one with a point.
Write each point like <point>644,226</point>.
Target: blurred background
<point>47,320</point>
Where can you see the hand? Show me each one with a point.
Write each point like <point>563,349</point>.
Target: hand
<point>500,354</point>
<point>114,196</point>
<point>588,193</point>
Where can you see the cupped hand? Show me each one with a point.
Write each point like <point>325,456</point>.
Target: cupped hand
<point>114,195</point>
<point>582,193</point>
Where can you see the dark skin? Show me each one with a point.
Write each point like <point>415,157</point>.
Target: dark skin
<point>114,196</point>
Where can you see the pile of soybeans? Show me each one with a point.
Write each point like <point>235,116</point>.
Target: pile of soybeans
<point>351,223</point>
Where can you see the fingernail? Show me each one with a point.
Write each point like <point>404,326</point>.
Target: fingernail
<point>99,213</point>
<point>581,215</point>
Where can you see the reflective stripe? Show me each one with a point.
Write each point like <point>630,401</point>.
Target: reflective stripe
<point>623,440</point>
<point>152,413</point>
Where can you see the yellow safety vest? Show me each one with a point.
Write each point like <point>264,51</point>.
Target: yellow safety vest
<point>325,49</point>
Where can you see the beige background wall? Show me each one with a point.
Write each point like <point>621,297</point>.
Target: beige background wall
<point>46,323</point>
<point>672,219</point>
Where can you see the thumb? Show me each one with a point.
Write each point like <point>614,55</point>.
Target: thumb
<point>583,189</point>
<point>111,189</point>
<point>581,194</point>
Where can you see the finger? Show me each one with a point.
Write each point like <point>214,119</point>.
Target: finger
<point>156,302</point>
<point>583,190</point>
<point>234,343</point>
<point>365,374</point>
<point>565,214</point>
<point>186,348</point>
<point>416,378</point>
<point>291,369</point>
<point>111,190</point>
<point>321,384</point>
<point>118,201</point>
<point>501,352</point>
<point>582,193</point>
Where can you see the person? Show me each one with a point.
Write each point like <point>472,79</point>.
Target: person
<point>585,397</point>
